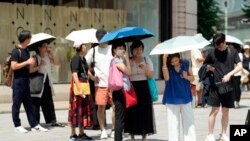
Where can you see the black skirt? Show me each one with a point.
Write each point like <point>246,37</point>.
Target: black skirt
<point>139,119</point>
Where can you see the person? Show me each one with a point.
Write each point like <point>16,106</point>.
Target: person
<point>177,97</point>
<point>221,61</point>
<point>118,51</point>
<point>205,78</point>
<point>20,64</point>
<point>237,77</point>
<point>136,123</point>
<point>77,103</point>
<point>246,63</point>
<point>102,59</point>
<point>44,100</point>
<point>197,61</point>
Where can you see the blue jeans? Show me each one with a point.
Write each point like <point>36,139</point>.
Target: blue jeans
<point>21,94</point>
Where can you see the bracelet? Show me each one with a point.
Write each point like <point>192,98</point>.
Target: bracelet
<point>164,68</point>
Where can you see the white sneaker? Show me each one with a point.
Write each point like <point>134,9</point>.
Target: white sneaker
<point>104,134</point>
<point>224,137</point>
<point>112,133</point>
<point>39,128</point>
<point>210,137</point>
<point>21,129</point>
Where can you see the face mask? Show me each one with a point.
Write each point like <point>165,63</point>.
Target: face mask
<point>120,52</point>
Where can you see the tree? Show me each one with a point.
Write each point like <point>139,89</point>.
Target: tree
<point>208,18</point>
<point>246,9</point>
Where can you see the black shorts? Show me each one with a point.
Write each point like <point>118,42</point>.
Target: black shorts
<point>216,100</point>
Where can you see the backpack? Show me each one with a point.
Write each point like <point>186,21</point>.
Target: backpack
<point>7,71</point>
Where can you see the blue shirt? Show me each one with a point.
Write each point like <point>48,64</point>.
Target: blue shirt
<point>177,89</point>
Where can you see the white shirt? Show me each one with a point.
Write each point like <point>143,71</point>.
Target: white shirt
<point>103,57</point>
<point>241,59</point>
<point>138,73</point>
<point>46,70</point>
<point>195,54</point>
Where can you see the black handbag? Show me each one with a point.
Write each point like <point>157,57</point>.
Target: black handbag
<point>36,82</point>
<point>224,87</point>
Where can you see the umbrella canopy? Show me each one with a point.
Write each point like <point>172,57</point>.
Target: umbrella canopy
<point>84,36</point>
<point>36,39</point>
<point>180,44</point>
<point>126,34</point>
<point>232,39</point>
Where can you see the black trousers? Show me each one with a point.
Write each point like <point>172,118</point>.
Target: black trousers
<point>21,94</point>
<point>93,105</point>
<point>120,111</point>
<point>237,89</point>
<point>46,103</point>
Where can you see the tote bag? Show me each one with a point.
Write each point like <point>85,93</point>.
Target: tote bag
<point>36,82</point>
<point>153,89</point>
<point>115,80</point>
<point>130,96</point>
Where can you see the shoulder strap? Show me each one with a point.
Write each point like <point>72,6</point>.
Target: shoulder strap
<point>20,53</point>
<point>93,57</point>
<point>83,67</point>
<point>145,60</point>
<point>36,60</point>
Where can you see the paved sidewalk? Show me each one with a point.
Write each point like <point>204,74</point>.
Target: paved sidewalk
<point>63,105</point>
<point>7,133</point>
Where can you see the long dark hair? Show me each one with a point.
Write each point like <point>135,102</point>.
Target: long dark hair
<point>39,45</point>
<point>171,56</point>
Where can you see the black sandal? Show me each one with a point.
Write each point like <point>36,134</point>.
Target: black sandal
<point>57,124</point>
<point>199,105</point>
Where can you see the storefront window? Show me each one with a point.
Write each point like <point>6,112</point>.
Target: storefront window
<point>60,17</point>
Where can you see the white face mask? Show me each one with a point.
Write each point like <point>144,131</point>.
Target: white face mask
<point>120,52</point>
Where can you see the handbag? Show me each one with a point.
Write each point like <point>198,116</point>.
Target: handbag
<point>153,89</point>
<point>84,85</point>
<point>130,96</point>
<point>115,80</point>
<point>224,87</point>
<point>36,81</point>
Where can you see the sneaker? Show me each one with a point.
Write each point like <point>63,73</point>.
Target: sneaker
<point>21,129</point>
<point>112,133</point>
<point>224,137</point>
<point>85,137</point>
<point>39,128</point>
<point>210,138</point>
<point>104,134</point>
<point>236,105</point>
<point>73,138</point>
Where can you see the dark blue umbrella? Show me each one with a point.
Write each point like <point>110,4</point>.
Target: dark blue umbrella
<point>126,34</point>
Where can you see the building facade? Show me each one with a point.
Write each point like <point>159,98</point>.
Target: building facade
<point>164,18</point>
<point>234,17</point>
